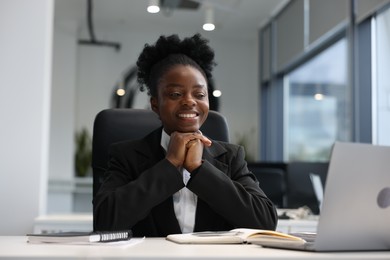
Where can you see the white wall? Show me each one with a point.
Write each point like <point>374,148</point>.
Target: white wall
<point>61,163</point>
<point>237,77</point>
<point>25,65</point>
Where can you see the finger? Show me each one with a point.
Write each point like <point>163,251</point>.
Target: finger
<point>206,141</point>
<point>202,138</point>
<point>191,143</point>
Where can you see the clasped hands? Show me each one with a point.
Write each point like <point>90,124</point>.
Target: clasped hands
<point>186,149</point>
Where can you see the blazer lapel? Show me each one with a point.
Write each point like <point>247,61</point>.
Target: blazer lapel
<point>207,219</point>
<point>214,154</point>
<point>150,152</point>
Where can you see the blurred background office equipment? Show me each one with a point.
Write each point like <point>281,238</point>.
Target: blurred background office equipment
<point>289,185</point>
<point>300,190</point>
<point>272,179</point>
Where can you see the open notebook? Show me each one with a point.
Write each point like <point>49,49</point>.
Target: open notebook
<point>355,212</point>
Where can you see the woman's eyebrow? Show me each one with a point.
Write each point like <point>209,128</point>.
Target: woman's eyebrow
<point>200,86</point>
<point>174,85</point>
<point>177,85</point>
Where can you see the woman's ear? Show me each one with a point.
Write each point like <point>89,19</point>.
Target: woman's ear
<point>154,104</point>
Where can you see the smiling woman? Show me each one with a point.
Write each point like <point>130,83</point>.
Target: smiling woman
<point>176,180</point>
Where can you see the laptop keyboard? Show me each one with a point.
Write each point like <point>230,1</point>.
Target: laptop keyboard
<point>307,236</point>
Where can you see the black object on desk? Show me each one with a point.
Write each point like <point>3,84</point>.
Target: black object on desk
<point>80,237</point>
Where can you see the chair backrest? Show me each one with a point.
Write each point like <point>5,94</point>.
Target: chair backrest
<point>300,191</point>
<point>272,180</point>
<point>115,125</point>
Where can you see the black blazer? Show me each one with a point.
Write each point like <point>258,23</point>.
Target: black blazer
<point>138,191</point>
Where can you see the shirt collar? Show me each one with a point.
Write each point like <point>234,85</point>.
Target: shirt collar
<point>165,138</point>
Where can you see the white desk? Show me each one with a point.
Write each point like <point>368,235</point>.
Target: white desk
<point>16,247</point>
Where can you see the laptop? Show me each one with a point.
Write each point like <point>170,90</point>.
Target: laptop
<point>355,211</point>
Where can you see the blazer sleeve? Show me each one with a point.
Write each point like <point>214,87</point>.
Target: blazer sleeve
<point>234,192</point>
<point>129,193</point>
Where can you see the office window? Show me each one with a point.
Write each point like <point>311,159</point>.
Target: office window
<point>381,79</point>
<point>316,105</point>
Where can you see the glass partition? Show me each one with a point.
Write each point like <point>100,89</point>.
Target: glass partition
<point>381,79</point>
<point>317,105</point>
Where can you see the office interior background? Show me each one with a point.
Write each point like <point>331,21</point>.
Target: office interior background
<point>295,76</point>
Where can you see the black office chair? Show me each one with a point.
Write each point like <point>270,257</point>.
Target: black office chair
<point>114,125</point>
<point>272,180</point>
<point>300,191</point>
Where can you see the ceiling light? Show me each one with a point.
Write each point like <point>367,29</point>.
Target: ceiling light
<point>319,96</point>
<point>154,6</point>
<point>120,92</point>
<point>209,19</point>
<point>217,93</point>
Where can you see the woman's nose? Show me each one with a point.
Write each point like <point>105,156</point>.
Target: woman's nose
<point>189,100</point>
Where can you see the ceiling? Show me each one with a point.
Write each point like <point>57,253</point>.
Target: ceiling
<point>238,17</point>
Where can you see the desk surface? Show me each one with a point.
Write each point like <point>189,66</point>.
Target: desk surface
<point>16,247</point>
<point>83,222</point>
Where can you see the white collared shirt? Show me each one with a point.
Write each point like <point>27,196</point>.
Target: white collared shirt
<point>184,201</point>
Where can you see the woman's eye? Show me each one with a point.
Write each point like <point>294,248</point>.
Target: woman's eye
<point>174,94</point>
<point>200,95</point>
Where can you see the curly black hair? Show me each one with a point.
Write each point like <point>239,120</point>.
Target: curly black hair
<point>169,51</point>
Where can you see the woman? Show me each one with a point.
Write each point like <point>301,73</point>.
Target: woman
<point>176,180</point>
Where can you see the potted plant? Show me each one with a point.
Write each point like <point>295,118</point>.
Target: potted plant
<point>83,156</point>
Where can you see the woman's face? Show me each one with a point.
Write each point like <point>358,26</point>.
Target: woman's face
<point>182,99</point>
